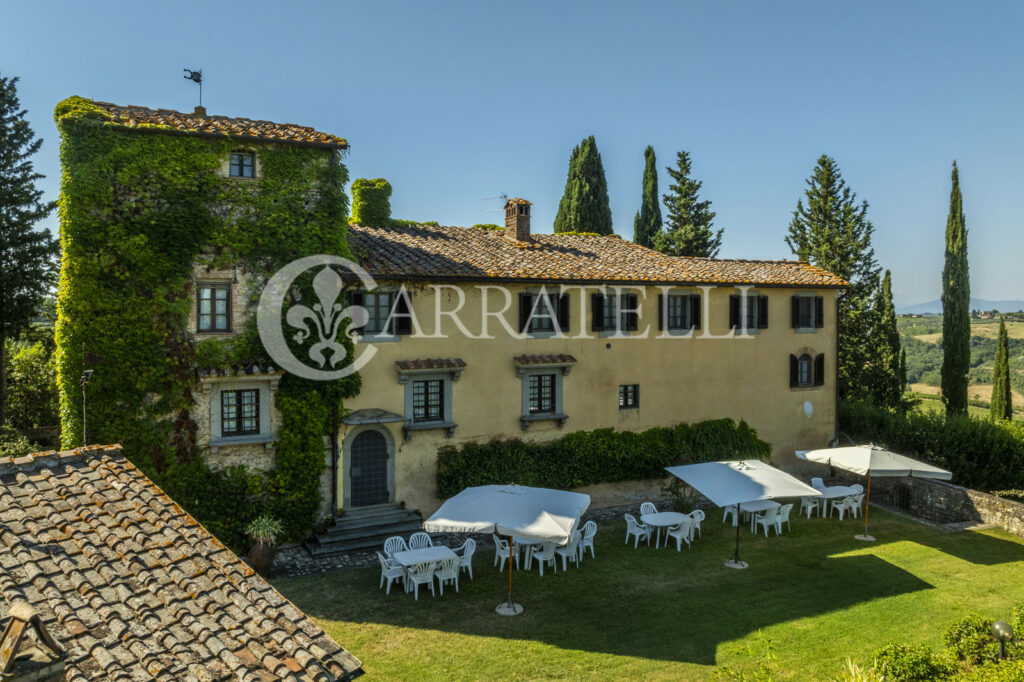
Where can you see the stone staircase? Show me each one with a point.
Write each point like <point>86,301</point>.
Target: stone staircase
<point>364,528</point>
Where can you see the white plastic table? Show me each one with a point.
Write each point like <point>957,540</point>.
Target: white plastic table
<point>833,491</point>
<point>527,546</point>
<point>664,519</point>
<point>411,557</point>
<point>754,507</point>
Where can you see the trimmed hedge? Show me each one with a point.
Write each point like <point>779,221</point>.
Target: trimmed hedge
<point>982,454</point>
<point>587,457</point>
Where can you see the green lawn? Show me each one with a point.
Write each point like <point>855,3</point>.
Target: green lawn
<point>816,593</point>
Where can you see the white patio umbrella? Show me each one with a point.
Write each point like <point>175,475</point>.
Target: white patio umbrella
<point>538,514</point>
<point>733,483</point>
<point>871,460</point>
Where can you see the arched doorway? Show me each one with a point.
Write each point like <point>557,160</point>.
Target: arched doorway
<point>368,469</point>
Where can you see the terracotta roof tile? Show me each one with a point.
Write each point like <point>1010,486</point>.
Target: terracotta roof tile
<point>136,116</point>
<point>544,359</point>
<point>458,253</point>
<point>431,363</point>
<point>133,588</point>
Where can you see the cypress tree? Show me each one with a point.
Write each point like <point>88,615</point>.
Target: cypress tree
<point>832,231</point>
<point>584,206</point>
<point>689,229</point>
<point>1001,406</point>
<point>956,296</point>
<point>647,223</point>
<point>28,257</point>
<point>887,376</point>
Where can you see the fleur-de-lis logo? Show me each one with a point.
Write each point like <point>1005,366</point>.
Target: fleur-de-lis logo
<point>319,324</point>
<point>324,320</point>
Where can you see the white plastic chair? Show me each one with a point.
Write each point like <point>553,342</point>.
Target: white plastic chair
<point>648,508</point>
<point>809,505</point>
<point>422,574</point>
<point>697,515</point>
<point>854,504</point>
<point>731,509</point>
<point>447,571</point>
<point>394,544</point>
<point>587,542</point>
<point>842,506</point>
<point>501,551</point>
<point>546,555</point>
<point>570,551</point>
<point>767,518</point>
<point>817,483</point>
<point>783,518</point>
<point>466,559</point>
<point>389,572</point>
<point>682,532</point>
<point>420,540</point>
<point>857,488</point>
<point>639,530</point>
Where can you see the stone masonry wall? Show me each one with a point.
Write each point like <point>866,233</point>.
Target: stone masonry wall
<point>945,503</point>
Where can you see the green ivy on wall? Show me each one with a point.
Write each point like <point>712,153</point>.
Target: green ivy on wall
<point>138,209</point>
<point>371,202</point>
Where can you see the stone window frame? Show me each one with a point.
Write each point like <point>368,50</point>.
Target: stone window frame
<point>408,377</point>
<point>813,328</point>
<point>215,284</point>
<point>255,165</point>
<point>267,387</point>
<point>560,370</point>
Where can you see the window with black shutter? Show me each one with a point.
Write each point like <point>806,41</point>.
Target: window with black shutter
<point>762,312</point>
<point>819,312</point>
<point>543,313</point>
<point>563,313</point>
<point>807,312</point>
<point>819,370</point>
<point>695,311</point>
<point>597,312</point>
<point>631,313</point>
<point>794,371</point>
<point>402,319</point>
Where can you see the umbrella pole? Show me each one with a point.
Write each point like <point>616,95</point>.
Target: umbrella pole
<point>867,506</point>
<point>736,562</point>
<point>509,607</point>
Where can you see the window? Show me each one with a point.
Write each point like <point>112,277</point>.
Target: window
<point>678,312</point>
<point>428,401</point>
<point>243,164</point>
<point>541,390</point>
<point>756,314</point>
<point>239,413</point>
<point>214,308</point>
<point>808,312</point>
<point>543,313</point>
<point>615,313</point>
<point>380,306</point>
<point>629,396</point>
<point>806,371</point>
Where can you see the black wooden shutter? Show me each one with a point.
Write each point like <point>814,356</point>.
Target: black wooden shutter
<point>734,312</point>
<point>357,298</point>
<point>525,308</point>
<point>403,314</point>
<point>796,311</point>
<point>661,312</point>
<point>563,313</point>
<point>819,312</point>
<point>762,312</point>
<point>794,371</point>
<point>695,311</point>
<point>597,312</point>
<point>633,316</point>
<point>819,370</point>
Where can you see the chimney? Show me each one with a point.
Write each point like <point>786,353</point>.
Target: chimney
<point>517,219</point>
<point>200,111</point>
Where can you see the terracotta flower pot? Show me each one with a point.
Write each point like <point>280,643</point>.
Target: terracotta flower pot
<point>261,557</point>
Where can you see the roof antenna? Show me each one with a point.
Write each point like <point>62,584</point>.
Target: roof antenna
<point>196,77</point>
<point>504,200</point>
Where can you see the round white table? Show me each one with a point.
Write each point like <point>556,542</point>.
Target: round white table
<point>836,491</point>
<point>664,519</point>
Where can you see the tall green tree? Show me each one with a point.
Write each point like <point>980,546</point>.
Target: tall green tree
<point>887,375</point>
<point>1001,406</point>
<point>832,231</point>
<point>956,297</point>
<point>647,223</point>
<point>689,228</point>
<point>27,256</point>
<point>584,206</point>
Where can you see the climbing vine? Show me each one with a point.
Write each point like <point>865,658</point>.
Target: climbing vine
<point>138,211</point>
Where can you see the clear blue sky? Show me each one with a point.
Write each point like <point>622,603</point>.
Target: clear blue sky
<point>456,102</point>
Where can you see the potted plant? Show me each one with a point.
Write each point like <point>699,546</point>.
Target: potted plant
<point>264,532</point>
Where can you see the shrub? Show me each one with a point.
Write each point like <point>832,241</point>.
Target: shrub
<point>908,663</point>
<point>32,386</point>
<point>855,673</point>
<point>13,444</point>
<point>1004,671</point>
<point>969,639</point>
<point>587,457</point>
<point>371,202</point>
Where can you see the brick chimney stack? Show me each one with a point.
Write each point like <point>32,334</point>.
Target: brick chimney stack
<point>200,111</point>
<point>517,219</point>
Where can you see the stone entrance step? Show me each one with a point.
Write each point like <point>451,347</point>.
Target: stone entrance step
<point>364,528</point>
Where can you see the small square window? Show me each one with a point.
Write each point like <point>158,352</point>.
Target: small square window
<point>541,393</point>
<point>240,413</point>
<point>214,308</point>
<point>629,396</point>
<point>678,312</point>
<point>428,400</point>
<point>378,308</point>
<point>243,164</point>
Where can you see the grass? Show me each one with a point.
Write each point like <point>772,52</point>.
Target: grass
<point>932,402</point>
<point>815,593</point>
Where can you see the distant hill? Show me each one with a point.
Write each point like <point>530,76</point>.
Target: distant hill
<point>935,307</point>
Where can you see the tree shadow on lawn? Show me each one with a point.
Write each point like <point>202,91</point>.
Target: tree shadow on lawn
<point>658,604</point>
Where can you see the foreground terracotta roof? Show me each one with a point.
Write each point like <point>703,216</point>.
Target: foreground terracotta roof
<point>244,128</point>
<point>133,588</point>
<point>453,253</point>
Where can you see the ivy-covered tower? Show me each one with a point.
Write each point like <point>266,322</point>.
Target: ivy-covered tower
<point>170,222</point>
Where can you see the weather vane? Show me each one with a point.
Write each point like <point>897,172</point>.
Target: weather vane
<point>196,77</point>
